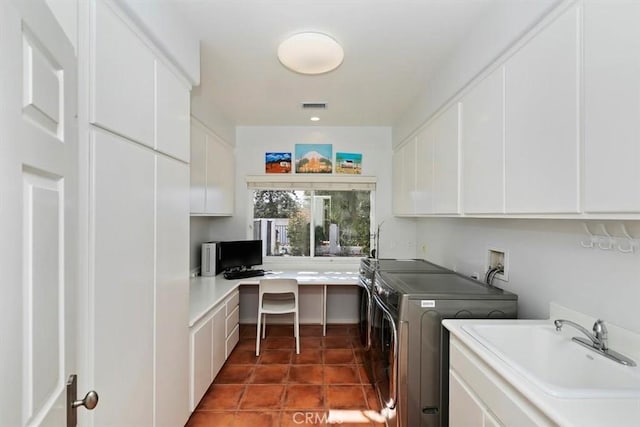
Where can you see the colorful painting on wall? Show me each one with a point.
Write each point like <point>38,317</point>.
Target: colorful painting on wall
<point>350,163</point>
<point>277,162</point>
<point>314,158</point>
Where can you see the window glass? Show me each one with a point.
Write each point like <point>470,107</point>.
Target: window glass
<point>312,223</point>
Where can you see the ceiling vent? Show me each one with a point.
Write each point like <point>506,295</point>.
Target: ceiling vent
<point>314,105</point>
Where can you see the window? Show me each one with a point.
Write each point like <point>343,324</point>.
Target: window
<point>312,222</point>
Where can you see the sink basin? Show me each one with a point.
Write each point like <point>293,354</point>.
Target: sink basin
<point>559,366</point>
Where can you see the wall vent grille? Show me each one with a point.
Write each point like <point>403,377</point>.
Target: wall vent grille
<point>314,105</point>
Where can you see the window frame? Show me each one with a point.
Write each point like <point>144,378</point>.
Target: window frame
<point>311,183</point>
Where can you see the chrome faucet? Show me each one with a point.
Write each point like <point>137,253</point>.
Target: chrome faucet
<point>598,337</point>
<point>598,340</point>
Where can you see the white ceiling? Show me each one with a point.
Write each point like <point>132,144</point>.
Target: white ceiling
<point>392,47</point>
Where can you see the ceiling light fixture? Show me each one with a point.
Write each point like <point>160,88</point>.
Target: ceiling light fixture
<point>310,53</point>
<point>315,119</point>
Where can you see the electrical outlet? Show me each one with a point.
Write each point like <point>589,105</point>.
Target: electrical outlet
<point>496,258</point>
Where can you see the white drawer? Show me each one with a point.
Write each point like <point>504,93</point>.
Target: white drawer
<point>232,320</point>
<point>232,340</point>
<point>232,302</point>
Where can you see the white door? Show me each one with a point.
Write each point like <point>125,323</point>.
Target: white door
<point>38,215</point>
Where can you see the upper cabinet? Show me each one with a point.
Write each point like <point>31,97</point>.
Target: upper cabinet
<point>542,121</point>
<point>172,114</point>
<point>612,107</point>
<point>404,179</point>
<point>212,173</point>
<point>482,141</point>
<point>122,70</point>
<point>425,169</point>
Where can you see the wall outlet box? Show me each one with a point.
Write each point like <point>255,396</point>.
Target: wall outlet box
<point>498,257</point>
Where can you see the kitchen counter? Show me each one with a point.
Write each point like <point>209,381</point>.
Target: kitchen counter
<point>207,292</point>
<point>563,411</point>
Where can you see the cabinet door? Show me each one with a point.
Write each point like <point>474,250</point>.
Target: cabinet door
<point>464,409</point>
<point>172,114</point>
<point>482,146</point>
<point>201,371</point>
<point>425,154</point>
<point>198,168</point>
<point>396,182</point>
<point>122,92</point>
<point>220,177</point>
<point>404,178</point>
<point>218,354</point>
<point>172,292</point>
<point>446,166</point>
<point>541,121</point>
<point>612,106</point>
<point>121,291</point>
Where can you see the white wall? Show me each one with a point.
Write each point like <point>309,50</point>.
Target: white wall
<point>373,142</point>
<point>486,40</point>
<point>546,263</point>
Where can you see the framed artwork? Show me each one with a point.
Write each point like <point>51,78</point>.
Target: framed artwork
<point>277,162</point>
<point>314,158</point>
<point>350,163</point>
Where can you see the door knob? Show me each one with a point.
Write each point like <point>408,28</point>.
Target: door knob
<point>90,401</point>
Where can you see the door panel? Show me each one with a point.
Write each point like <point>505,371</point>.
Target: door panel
<point>122,286</point>
<point>38,215</point>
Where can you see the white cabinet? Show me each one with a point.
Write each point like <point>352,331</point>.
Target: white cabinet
<point>172,113</point>
<point>172,291</point>
<point>122,69</point>
<point>212,173</point>
<point>612,107</point>
<point>437,165</point>
<point>136,201</point>
<point>212,340</point>
<point>464,407</point>
<point>541,121</point>
<point>198,168</point>
<point>201,356</point>
<point>446,162</point>
<point>479,396</point>
<point>482,146</point>
<point>122,282</point>
<point>404,178</point>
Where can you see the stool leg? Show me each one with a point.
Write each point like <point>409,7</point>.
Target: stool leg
<point>297,332</point>
<point>258,336</point>
<point>264,325</point>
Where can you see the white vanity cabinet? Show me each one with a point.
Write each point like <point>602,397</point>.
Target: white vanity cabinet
<point>212,173</point>
<point>212,338</point>
<point>479,396</point>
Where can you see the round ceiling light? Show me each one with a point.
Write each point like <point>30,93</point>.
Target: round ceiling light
<point>310,53</point>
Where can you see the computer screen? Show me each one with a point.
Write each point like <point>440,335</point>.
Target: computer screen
<point>240,254</point>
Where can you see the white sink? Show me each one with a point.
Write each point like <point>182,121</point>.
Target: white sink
<point>556,364</point>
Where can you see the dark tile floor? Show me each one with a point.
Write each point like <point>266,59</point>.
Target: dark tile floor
<point>324,385</point>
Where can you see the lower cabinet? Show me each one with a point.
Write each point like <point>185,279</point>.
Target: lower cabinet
<point>478,396</point>
<point>211,341</point>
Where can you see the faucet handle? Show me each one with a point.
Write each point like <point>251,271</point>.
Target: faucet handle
<point>601,333</point>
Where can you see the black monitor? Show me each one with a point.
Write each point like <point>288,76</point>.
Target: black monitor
<point>240,254</point>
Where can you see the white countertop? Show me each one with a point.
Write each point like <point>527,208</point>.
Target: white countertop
<point>207,292</point>
<point>566,412</point>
